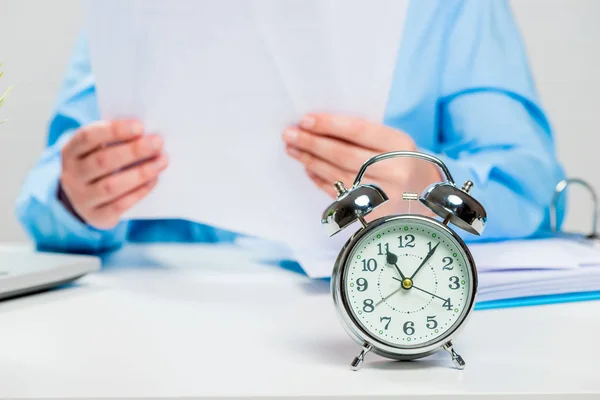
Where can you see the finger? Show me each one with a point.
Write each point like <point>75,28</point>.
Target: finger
<point>109,159</point>
<point>344,155</point>
<point>370,135</point>
<point>321,184</point>
<point>94,135</point>
<point>325,171</point>
<point>109,214</point>
<point>114,186</point>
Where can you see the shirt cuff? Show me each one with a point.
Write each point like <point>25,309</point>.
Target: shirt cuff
<point>71,222</point>
<point>64,231</point>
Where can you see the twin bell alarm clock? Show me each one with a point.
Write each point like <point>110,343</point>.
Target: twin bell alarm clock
<point>403,285</point>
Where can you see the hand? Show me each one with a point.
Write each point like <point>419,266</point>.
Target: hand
<point>427,257</point>
<point>431,294</point>
<point>388,296</point>
<point>107,167</point>
<point>392,259</point>
<point>334,147</point>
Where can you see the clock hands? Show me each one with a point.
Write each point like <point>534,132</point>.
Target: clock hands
<point>431,294</point>
<point>401,287</point>
<point>388,296</point>
<point>407,283</point>
<point>423,290</point>
<point>392,259</point>
<point>427,257</point>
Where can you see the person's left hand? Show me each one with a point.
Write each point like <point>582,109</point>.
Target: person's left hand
<point>334,147</point>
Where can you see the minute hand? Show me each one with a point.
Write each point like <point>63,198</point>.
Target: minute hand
<point>429,293</point>
<point>427,257</point>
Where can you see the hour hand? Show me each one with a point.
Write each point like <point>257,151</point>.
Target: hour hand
<point>392,259</point>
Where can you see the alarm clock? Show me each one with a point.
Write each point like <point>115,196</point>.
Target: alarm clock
<point>404,285</point>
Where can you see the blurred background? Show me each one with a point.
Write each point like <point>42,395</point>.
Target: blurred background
<point>562,38</point>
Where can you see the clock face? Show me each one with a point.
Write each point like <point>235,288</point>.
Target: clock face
<point>408,282</point>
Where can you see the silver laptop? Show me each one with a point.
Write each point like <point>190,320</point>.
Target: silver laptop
<point>25,272</point>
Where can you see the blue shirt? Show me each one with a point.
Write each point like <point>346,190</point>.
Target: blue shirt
<point>462,89</point>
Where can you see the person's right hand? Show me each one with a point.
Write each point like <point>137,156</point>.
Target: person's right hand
<point>107,167</point>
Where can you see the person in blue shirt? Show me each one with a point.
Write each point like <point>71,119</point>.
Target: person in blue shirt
<point>462,91</point>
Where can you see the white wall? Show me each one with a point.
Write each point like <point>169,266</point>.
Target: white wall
<point>36,38</point>
<point>563,40</point>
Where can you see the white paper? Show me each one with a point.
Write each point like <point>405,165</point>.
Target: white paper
<point>506,285</point>
<point>364,32</point>
<point>220,80</point>
<point>526,254</point>
<point>524,279</point>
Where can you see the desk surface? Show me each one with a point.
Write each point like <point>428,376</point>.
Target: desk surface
<point>207,321</point>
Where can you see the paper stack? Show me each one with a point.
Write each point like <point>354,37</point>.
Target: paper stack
<point>506,270</point>
<point>541,267</point>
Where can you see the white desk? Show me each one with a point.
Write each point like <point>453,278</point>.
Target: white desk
<point>202,321</point>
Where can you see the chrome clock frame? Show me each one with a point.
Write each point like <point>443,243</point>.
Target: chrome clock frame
<point>372,343</point>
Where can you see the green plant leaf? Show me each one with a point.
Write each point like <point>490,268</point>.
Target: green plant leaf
<point>4,96</point>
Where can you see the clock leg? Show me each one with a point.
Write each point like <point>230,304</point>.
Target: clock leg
<point>456,358</point>
<point>358,360</point>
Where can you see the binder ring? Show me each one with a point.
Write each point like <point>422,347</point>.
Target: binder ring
<point>560,187</point>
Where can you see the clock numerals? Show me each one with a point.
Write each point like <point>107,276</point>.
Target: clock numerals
<point>408,328</point>
<point>362,284</point>
<point>454,283</point>
<point>387,249</point>
<point>431,322</point>
<point>405,284</point>
<point>448,304</point>
<point>369,265</point>
<point>406,241</point>
<point>448,262</point>
<point>388,319</point>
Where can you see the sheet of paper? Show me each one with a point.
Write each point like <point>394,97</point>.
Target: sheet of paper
<point>511,279</point>
<point>512,284</point>
<point>363,34</point>
<point>220,80</point>
<point>525,254</point>
<point>587,252</point>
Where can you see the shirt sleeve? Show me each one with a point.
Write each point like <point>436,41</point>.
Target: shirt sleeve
<point>492,128</point>
<point>39,210</point>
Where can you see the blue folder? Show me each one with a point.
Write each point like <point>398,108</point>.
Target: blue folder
<point>537,300</point>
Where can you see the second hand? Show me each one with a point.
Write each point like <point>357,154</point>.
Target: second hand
<point>388,296</point>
